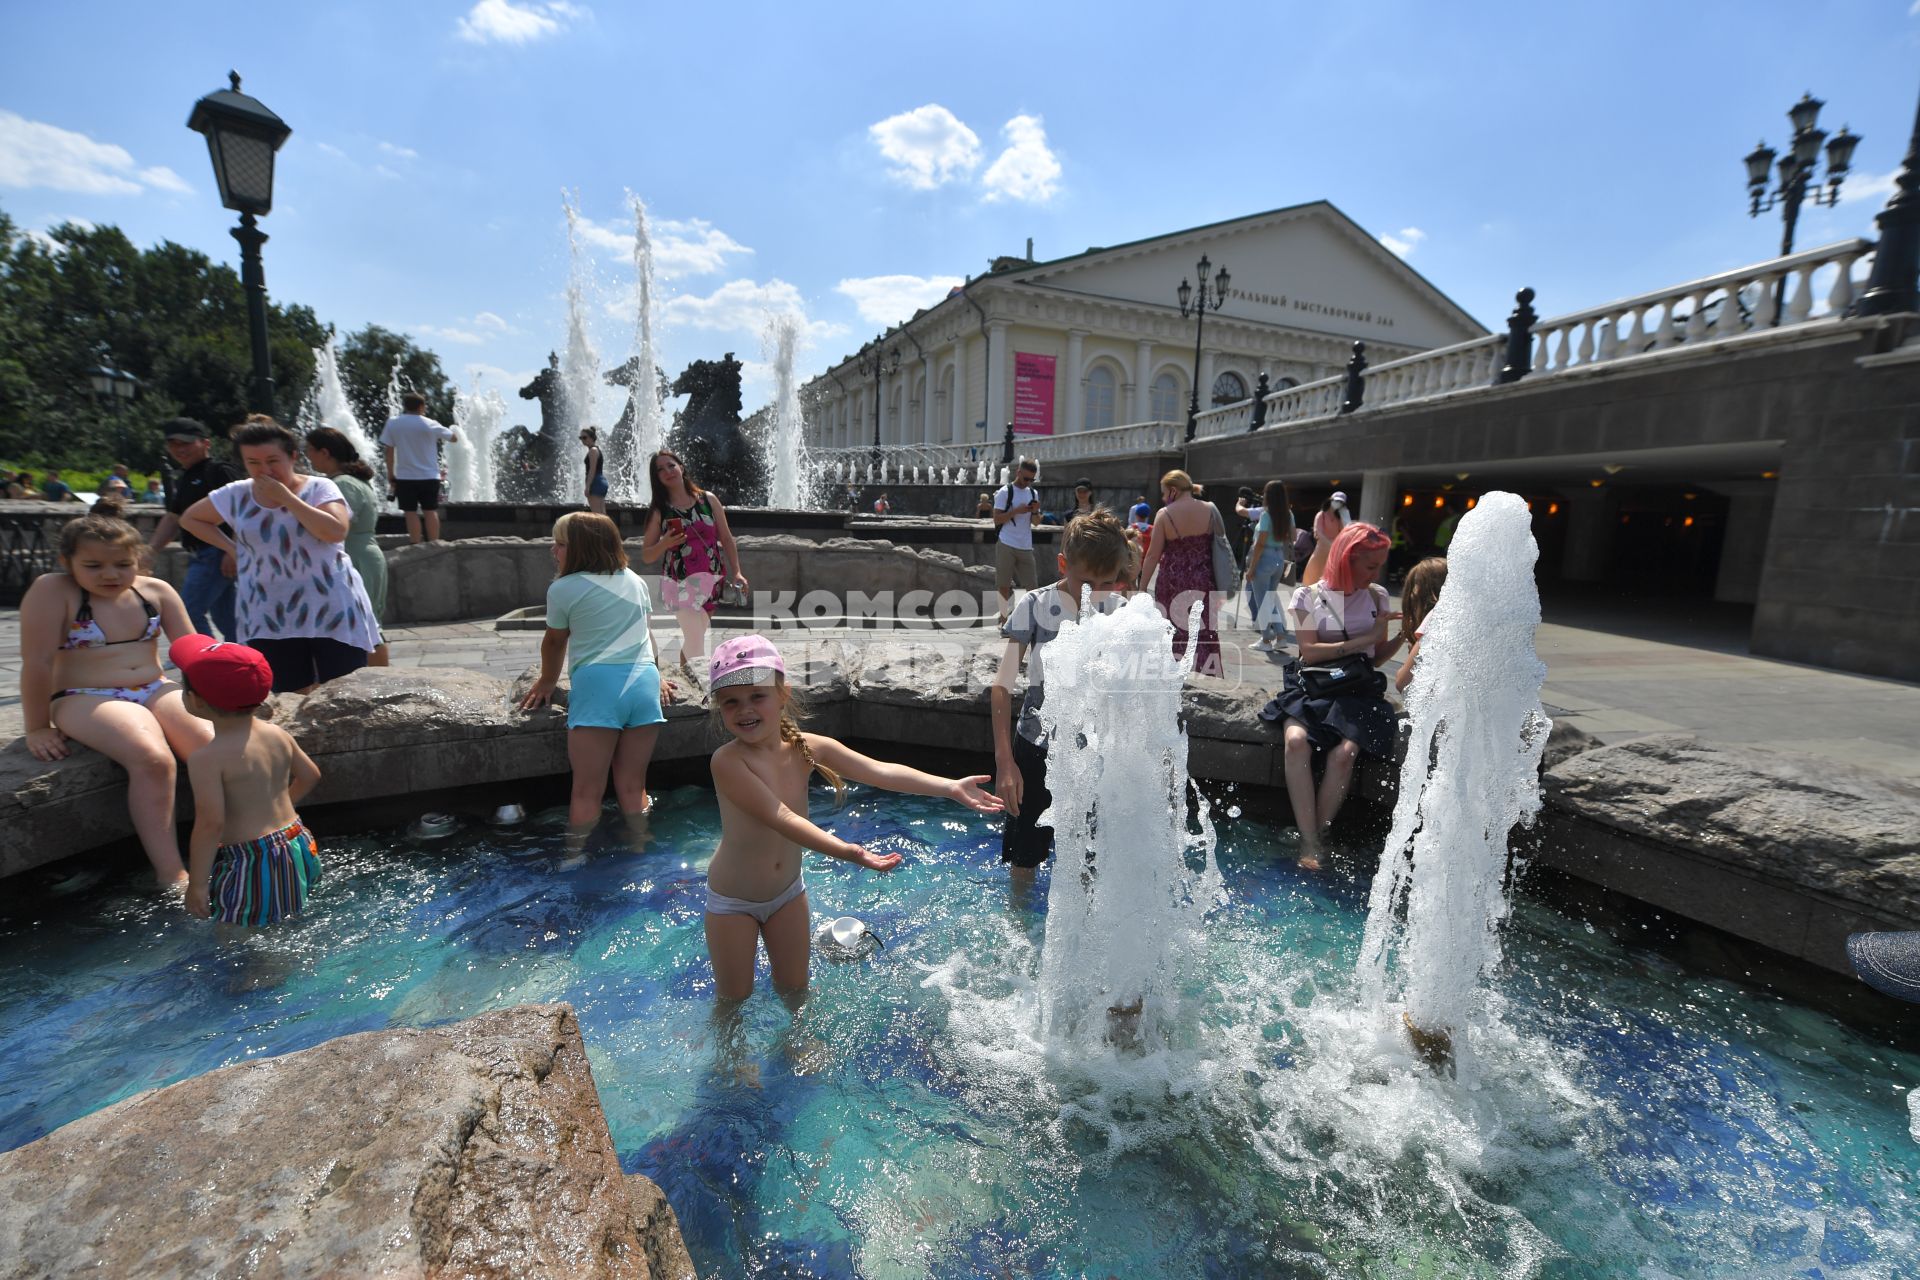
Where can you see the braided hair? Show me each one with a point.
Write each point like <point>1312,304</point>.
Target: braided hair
<point>790,733</point>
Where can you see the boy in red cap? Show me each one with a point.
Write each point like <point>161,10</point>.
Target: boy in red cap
<point>251,860</point>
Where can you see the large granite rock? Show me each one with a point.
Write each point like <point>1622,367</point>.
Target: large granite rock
<point>475,1150</point>
<point>1811,822</point>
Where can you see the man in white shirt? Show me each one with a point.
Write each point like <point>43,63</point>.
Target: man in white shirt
<point>412,445</point>
<point>1014,508</point>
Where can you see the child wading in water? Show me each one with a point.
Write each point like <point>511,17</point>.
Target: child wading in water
<point>1094,553</point>
<point>253,860</point>
<point>754,885</point>
<point>90,672</point>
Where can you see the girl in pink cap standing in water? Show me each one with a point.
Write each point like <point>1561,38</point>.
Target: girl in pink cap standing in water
<point>754,886</point>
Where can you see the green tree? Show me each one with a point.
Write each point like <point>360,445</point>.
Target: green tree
<point>368,361</point>
<point>170,316</point>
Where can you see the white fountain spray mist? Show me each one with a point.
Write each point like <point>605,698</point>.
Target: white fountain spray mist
<point>580,366</point>
<point>785,446</point>
<point>328,406</point>
<point>1131,882</point>
<point>470,458</point>
<point>647,432</point>
<point>1471,774</point>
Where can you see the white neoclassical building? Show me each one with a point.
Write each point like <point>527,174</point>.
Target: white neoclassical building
<point>1095,342</point>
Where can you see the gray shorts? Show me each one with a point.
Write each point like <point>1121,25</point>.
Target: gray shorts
<point>1013,566</point>
<point>718,904</point>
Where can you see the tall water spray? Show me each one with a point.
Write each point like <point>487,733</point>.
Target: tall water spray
<point>786,443</point>
<point>647,433</point>
<point>1131,883</point>
<point>1471,773</point>
<point>470,474</point>
<point>328,406</point>
<point>580,366</point>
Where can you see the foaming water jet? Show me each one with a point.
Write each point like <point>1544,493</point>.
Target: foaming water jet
<point>1470,775</point>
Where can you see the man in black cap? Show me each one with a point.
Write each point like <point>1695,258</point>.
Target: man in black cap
<point>208,589</point>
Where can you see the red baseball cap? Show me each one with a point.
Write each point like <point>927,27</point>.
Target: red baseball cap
<point>228,675</point>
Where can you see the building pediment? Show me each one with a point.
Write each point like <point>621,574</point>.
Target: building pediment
<point>1309,266</point>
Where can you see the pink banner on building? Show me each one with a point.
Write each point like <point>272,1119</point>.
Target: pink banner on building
<point>1032,394</point>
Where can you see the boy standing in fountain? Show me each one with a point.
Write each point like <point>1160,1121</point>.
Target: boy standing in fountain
<point>252,861</point>
<point>412,445</point>
<point>1094,554</point>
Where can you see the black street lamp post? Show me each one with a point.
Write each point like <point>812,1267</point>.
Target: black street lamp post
<point>242,136</point>
<point>881,364</point>
<point>1796,175</point>
<point>1894,285</point>
<point>113,388</point>
<point>1213,295</point>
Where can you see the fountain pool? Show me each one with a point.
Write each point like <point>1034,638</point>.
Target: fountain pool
<point>1629,1117</point>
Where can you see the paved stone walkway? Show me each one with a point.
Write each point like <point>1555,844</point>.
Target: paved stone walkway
<point>1613,686</point>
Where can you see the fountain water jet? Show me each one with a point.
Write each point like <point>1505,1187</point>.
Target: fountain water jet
<point>328,406</point>
<point>786,444</point>
<point>647,432</point>
<point>1474,709</point>
<point>1131,884</point>
<point>470,458</point>
<point>580,367</point>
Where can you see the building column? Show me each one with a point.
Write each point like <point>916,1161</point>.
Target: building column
<point>1203,380</point>
<point>926,402</point>
<point>1076,387</point>
<point>958,409</point>
<point>1143,381</point>
<point>999,365</point>
<point>1743,551</point>
<point>1379,490</point>
<point>1589,535</point>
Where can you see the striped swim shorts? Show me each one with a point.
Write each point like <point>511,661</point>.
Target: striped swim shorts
<point>262,882</point>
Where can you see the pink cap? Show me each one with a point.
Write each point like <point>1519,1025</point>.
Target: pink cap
<point>744,660</point>
<point>231,676</point>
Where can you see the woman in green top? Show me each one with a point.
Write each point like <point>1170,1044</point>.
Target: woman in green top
<point>333,456</point>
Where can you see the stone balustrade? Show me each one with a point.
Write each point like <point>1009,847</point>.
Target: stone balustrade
<point>1819,284</point>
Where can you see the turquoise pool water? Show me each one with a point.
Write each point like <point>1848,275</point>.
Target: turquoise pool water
<point>1626,1117</point>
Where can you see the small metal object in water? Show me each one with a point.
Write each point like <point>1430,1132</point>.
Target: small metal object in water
<point>508,815</point>
<point>846,938</point>
<point>433,826</point>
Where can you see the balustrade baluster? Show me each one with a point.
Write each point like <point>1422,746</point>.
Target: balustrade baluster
<point>1800,305</point>
<point>1840,297</point>
<point>1540,350</point>
<point>1587,340</point>
<point>1560,357</point>
<point>1696,316</point>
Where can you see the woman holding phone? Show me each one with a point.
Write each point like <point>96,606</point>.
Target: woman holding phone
<point>688,526</point>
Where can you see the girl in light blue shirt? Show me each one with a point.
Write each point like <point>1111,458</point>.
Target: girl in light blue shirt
<point>600,610</point>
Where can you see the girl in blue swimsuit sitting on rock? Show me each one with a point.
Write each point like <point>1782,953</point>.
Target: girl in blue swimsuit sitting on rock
<point>90,672</point>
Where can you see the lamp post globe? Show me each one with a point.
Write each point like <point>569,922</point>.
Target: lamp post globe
<point>242,137</point>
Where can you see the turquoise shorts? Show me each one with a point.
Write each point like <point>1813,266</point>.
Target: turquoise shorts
<point>615,696</point>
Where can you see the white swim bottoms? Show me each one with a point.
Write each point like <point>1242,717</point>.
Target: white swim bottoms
<point>718,904</point>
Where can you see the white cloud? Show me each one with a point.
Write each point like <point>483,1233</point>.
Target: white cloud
<point>488,320</point>
<point>1875,187</point>
<point>504,22</point>
<point>448,333</point>
<point>1404,241</point>
<point>694,247</point>
<point>327,148</point>
<point>398,152</point>
<point>927,146</point>
<point>743,306</point>
<point>36,154</point>
<point>1027,170</point>
<point>887,300</point>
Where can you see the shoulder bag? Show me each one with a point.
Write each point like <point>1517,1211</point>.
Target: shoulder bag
<point>1226,571</point>
<point>1351,675</point>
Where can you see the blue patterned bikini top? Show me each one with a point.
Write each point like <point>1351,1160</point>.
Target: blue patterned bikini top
<point>84,633</point>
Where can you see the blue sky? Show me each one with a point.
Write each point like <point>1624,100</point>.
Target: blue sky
<point>848,162</point>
